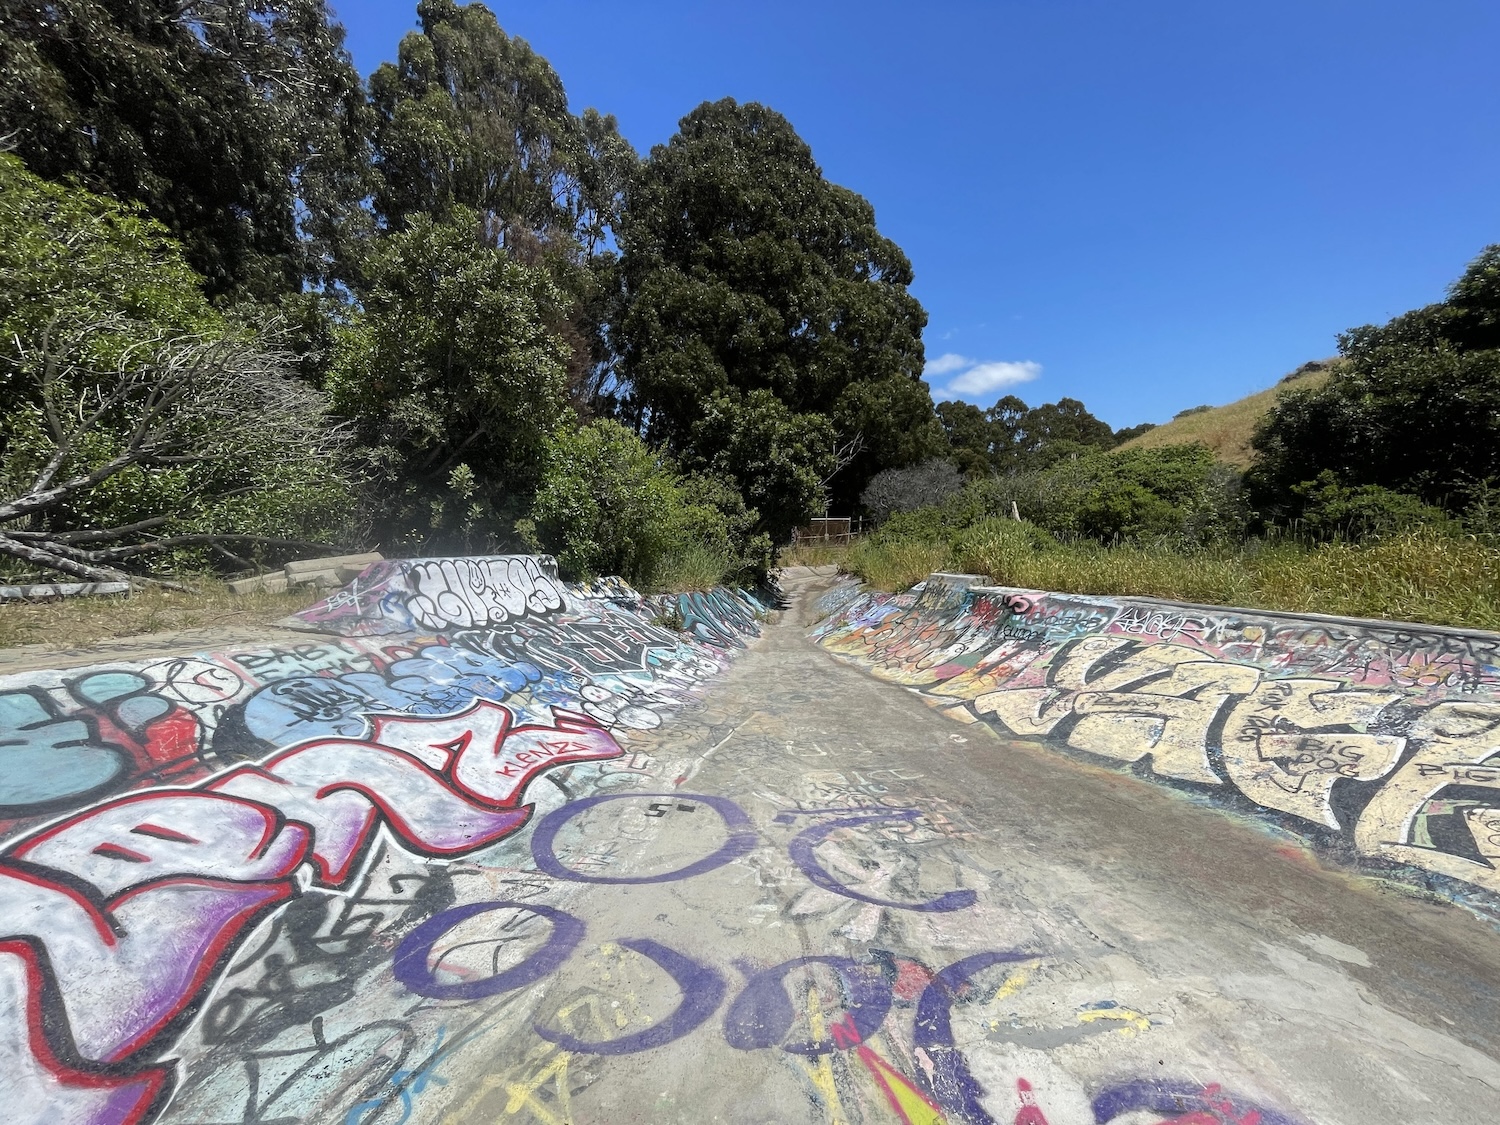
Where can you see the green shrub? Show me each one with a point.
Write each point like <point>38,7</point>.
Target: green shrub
<point>609,504</point>
<point>1175,493</point>
<point>1332,511</point>
<point>450,376</point>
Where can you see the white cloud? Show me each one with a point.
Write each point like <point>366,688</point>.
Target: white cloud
<point>946,364</point>
<point>985,378</point>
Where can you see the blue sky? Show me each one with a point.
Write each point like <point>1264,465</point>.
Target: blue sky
<point>1143,204</point>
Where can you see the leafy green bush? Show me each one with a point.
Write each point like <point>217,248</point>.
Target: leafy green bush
<point>451,379</point>
<point>608,504</point>
<point>1170,492</point>
<point>1414,407</point>
<point>1334,511</point>
<point>936,523</point>
<point>1173,492</point>
<point>140,429</point>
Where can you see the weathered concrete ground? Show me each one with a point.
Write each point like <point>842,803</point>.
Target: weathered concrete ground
<point>1128,956</point>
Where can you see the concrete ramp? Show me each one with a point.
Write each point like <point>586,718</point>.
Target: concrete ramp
<point>1374,740</point>
<point>157,814</point>
<point>489,847</point>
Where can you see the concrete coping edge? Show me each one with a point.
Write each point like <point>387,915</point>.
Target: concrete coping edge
<point>1285,615</point>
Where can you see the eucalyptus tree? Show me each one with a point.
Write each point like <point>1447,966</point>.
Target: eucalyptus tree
<point>759,298</point>
<point>471,118</point>
<point>239,124</point>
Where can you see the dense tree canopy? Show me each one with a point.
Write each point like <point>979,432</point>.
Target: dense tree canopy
<point>1415,407</point>
<point>453,382</point>
<point>470,117</point>
<point>749,278</point>
<point>1012,437</point>
<point>238,125</point>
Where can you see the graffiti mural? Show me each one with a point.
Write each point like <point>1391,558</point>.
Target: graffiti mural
<point>406,595</point>
<point>347,877</point>
<point>1382,737</point>
<point>155,815</point>
<point>118,919</point>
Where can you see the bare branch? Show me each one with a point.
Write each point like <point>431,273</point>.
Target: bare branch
<point>102,535</point>
<point>166,401</point>
<point>209,539</point>
<point>54,561</point>
<point>844,455</point>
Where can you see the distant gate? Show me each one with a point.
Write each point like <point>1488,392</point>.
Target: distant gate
<point>828,529</point>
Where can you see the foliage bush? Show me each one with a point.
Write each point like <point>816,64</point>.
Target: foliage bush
<point>138,419</point>
<point>904,490</point>
<point>935,523</point>
<point>1334,511</point>
<point>451,380</point>
<point>1173,493</point>
<point>1415,407</point>
<point>608,504</point>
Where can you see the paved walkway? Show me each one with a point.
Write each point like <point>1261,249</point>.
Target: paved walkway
<point>812,899</point>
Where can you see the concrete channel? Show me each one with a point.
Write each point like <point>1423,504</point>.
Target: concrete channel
<point>583,868</point>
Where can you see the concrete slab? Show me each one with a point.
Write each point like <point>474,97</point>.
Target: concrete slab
<point>805,896</point>
<point>811,898</point>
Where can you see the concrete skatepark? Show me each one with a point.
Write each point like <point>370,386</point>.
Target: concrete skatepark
<point>477,845</point>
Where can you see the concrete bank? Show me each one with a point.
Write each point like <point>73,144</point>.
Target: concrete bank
<point>157,813</point>
<point>755,885</point>
<point>1377,742</point>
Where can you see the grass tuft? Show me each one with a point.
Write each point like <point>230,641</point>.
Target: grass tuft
<point>694,567</point>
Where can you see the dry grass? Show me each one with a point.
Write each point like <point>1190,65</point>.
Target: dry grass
<point>1224,429</point>
<point>812,554</point>
<point>1419,577</point>
<point>80,621</point>
<point>896,566</point>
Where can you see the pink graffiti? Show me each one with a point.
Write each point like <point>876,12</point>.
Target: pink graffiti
<point>1219,1111</point>
<point>117,919</point>
<point>1030,1113</point>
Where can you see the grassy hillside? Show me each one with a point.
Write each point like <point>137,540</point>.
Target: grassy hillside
<point>1227,429</point>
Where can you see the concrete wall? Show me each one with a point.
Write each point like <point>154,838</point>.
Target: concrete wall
<point>1377,741</point>
<point>154,815</point>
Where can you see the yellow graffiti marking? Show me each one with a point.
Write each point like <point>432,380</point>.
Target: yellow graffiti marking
<point>821,1072</point>
<point>465,1112</point>
<point>520,1094</point>
<point>1012,984</point>
<point>909,1102</point>
<point>1134,1020</point>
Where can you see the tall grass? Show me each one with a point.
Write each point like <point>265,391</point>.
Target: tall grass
<point>897,565</point>
<point>1420,576</point>
<point>813,554</point>
<point>694,567</point>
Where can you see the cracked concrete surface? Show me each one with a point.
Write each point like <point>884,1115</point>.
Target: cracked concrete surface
<point>1150,943</point>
